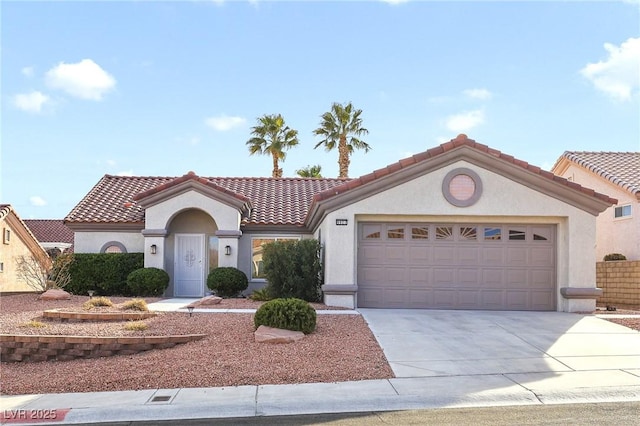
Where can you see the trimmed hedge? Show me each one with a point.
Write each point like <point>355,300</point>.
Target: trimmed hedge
<point>148,282</point>
<point>104,273</point>
<point>227,281</point>
<point>614,256</point>
<point>289,314</point>
<point>293,269</point>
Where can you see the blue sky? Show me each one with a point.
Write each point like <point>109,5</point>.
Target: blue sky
<point>162,88</point>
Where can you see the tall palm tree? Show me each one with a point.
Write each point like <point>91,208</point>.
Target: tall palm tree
<point>310,171</point>
<point>342,127</point>
<point>272,137</point>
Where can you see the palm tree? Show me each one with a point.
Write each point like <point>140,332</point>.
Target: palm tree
<point>310,171</point>
<point>342,127</point>
<point>272,137</point>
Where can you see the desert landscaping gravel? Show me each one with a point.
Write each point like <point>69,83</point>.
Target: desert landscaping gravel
<point>341,349</point>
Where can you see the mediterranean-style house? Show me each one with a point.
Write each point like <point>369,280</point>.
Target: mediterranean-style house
<point>17,241</point>
<point>52,234</point>
<point>460,226</point>
<point>616,174</point>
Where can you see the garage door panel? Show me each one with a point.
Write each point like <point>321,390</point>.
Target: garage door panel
<point>457,266</point>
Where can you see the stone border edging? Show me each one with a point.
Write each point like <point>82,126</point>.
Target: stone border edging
<point>36,348</point>
<point>55,314</point>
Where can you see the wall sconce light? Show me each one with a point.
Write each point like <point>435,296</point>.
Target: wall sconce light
<point>227,250</point>
<point>154,249</point>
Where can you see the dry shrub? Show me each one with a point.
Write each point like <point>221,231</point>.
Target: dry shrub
<point>135,305</point>
<point>136,326</point>
<point>33,324</point>
<point>97,301</point>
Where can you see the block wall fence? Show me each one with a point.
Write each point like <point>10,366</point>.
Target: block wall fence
<point>619,281</point>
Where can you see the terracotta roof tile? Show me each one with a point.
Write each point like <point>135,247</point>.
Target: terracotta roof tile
<point>460,140</point>
<point>50,230</point>
<point>621,168</point>
<point>283,201</point>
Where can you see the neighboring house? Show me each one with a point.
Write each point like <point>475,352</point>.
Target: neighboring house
<point>52,234</point>
<point>460,226</point>
<point>616,174</point>
<point>17,241</point>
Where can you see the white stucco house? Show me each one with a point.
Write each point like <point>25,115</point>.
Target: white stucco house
<point>460,226</point>
<point>616,174</point>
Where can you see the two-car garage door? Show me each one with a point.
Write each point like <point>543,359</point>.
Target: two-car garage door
<point>456,266</point>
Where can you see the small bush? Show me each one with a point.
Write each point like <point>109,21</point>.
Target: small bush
<point>289,314</point>
<point>293,269</point>
<point>261,295</point>
<point>148,282</point>
<point>227,281</point>
<point>136,326</point>
<point>614,256</point>
<point>33,324</point>
<point>135,305</point>
<point>97,301</point>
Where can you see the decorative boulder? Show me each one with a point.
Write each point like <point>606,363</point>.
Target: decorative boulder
<point>205,301</point>
<point>266,334</point>
<point>55,294</point>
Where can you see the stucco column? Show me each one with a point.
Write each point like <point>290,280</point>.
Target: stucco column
<point>228,243</point>
<point>154,239</point>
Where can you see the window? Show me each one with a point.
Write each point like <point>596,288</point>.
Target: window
<point>492,234</point>
<point>622,211</point>
<point>113,247</point>
<point>257,247</point>
<point>468,233</point>
<point>517,234</point>
<point>371,231</point>
<point>213,252</point>
<point>420,233</point>
<point>395,233</point>
<point>444,233</point>
<point>6,236</point>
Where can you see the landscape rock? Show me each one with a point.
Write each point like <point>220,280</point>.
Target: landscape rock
<point>266,334</point>
<point>206,301</point>
<point>55,294</point>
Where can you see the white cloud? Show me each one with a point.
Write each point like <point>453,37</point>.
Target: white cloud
<point>617,76</point>
<point>394,2</point>
<point>27,71</point>
<point>465,121</point>
<point>38,201</point>
<point>30,102</point>
<point>482,94</point>
<point>125,173</point>
<point>223,123</point>
<point>111,162</point>
<point>85,79</point>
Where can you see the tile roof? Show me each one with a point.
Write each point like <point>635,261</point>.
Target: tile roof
<point>275,201</point>
<point>460,140</point>
<point>50,230</point>
<point>621,168</point>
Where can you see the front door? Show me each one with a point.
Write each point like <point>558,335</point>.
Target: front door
<point>189,265</point>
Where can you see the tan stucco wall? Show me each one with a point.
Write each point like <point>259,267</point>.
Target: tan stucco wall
<point>612,235</point>
<point>9,279</point>
<point>502,201</point>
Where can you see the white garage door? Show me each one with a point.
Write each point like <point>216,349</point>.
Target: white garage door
<point>456,266</point>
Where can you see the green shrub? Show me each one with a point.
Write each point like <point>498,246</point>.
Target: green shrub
<point>104,273</point>
<point>135,305</point>
<point>97,301</point>
<point>293,269</point>
<point>261,295</point>
<point>227,281</point>
<point>289,314</point>
<point>615,256</point>
<point>148,282</point>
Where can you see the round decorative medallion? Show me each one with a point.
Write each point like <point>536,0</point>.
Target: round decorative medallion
<point>462,187</point>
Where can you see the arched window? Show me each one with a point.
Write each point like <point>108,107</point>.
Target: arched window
<point>113,247</point>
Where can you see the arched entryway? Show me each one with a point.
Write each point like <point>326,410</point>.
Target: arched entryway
<point>191,252</point>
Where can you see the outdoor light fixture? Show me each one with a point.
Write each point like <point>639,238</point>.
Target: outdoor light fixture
<point>227,250</point>
<point>154,249</point>
<point>190,309</point>
<point>90,293</point>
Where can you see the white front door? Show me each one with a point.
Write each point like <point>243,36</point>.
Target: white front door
<point>189,265</point>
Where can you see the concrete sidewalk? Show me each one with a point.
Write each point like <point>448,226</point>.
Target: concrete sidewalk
<point>441,359</point>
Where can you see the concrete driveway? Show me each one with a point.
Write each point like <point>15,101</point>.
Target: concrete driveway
<point>432,343</point>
